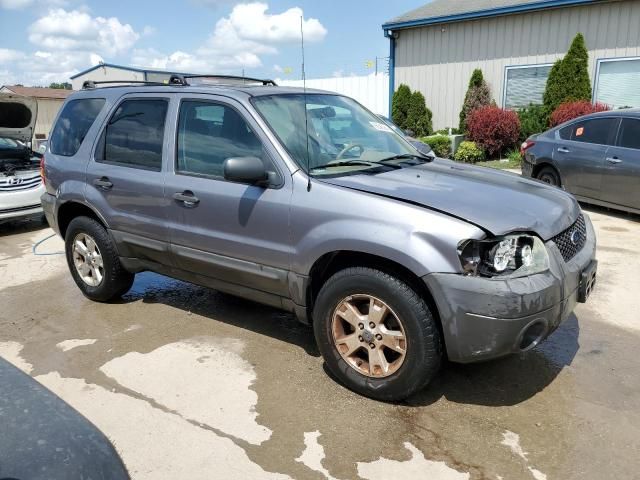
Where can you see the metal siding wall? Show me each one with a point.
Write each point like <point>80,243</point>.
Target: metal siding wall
<point>438,60</point>
<point>47,111</point>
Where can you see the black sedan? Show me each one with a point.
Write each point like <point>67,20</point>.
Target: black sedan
<point>595,157</point>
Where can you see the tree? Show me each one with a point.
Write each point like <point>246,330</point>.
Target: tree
<point>419,116</point>
<point>478,95</point>
<point>400,105</point>
<point>569,77</point>
<point>61,86</point>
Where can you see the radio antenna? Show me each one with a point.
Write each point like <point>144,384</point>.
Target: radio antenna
<point>306,118</point>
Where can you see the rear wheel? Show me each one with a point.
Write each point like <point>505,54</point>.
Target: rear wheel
<point>93,261</point>
<point>549,175</point>
<point>376,334</point>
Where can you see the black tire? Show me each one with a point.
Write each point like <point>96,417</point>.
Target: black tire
<point>116,280</point>
<point>549,175</point>
<point>423,345</point>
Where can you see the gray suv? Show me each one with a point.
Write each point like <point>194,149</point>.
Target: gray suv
<point>306,201</point>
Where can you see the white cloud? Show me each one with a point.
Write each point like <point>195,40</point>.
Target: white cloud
<point>77,30</point>
<point>278,69</point>
<point>7,55</point>
<point>238,41</point>
<point>15,4</point>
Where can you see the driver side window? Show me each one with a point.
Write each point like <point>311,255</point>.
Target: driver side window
<point>208,134</point>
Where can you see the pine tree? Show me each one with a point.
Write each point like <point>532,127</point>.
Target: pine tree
<point>400,106</point>
<point>419,116</point>
<point>569,77</point>
<point>478,95</point>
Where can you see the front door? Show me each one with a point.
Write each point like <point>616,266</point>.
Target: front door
<point>621,176</point>
<point>125,179</point>
<point>232,232</point>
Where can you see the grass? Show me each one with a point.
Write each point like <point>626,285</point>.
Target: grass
<point>501,165</point>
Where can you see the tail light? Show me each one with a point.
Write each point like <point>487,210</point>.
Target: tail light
<point>526,146</point>
<point>44,180</point>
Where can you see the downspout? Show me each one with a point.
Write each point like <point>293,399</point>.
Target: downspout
<point>392,66</point>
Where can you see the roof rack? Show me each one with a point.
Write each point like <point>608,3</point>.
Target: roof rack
<point>182,79</point>
<point>89,84</point>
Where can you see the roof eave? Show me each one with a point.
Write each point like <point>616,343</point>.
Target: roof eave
<point>493,12</point>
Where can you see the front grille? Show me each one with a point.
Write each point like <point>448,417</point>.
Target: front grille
<point>571,241</point>
<point>16,182</point>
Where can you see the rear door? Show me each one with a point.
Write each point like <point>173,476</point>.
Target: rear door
<point>125,178</point>
<point>621,178</point>
<point>233,232</point>
<point>580,154</point>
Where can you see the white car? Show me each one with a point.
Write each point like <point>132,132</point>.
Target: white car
<point>20,180</point>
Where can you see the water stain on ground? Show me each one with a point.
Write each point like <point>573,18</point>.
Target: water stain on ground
<point>559,398</point>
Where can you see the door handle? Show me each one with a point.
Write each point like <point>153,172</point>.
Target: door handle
<point>563,150</point>
<point>103,183</point>
<point>187,198</point>
<point>614,160</point>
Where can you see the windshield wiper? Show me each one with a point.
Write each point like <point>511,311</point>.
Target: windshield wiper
<point>406,156</point>
<point>346,163</point>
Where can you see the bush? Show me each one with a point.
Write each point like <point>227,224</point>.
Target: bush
<point>469,152</point>
<point>419,116</point>
<point>445,131</point>
<point>478,95</point>
<point>400,106</point>
<point>533,119</point>
<point>440,144</point>
<point>569,77</point>
<point>514,155</point>
<point>493,129</point>
<point>570,110</point>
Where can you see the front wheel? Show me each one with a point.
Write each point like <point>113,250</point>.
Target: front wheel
<point>376,334</point>
<point>93,261</point>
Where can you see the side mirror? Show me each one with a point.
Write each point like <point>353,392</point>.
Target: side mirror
<point>245,170</point>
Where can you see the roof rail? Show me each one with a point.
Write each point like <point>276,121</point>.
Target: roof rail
<point>182,79</point>
<point>89,84</point>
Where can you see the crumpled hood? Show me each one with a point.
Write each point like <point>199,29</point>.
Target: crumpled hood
<point>498,202</point>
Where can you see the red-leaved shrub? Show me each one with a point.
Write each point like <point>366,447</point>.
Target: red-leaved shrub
<point>493,128</point>
<point>570,110</point>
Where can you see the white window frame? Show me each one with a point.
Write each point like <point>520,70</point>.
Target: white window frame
<point>596,83</point>
<point>515,67</point>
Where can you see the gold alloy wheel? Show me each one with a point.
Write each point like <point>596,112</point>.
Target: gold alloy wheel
<point>88,260</point>
<point>369,335</point>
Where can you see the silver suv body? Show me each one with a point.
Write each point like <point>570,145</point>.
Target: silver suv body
<point>395,258</point>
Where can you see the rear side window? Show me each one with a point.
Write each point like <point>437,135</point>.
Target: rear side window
<point>599,131</point>
<point>630,133</point>
<point>72,126</point>
<point>134,135</point>
<point>208,134</point>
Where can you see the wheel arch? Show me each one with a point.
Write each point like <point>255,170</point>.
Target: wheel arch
<point>332,262</point>
<point>73,209</point>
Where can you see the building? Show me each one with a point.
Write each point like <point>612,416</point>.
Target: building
<point>49,101</point>
<point>108,71</point>
<point>435,48</point>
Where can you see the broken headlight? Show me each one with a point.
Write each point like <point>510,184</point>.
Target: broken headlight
<point>511,254</point>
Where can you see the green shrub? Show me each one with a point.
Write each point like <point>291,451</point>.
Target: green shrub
<point>440,144</point>
<point>469,152</point>
<point>419,116</point>
<point>445,131</point>
<point>400,106</point>
<point>478,95</point>
<point>514,156</point>
<point>569,78</point>
<point>533,119</point>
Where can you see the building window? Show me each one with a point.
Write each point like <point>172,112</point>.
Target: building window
<point>525,85</point>
<point>617,81</point>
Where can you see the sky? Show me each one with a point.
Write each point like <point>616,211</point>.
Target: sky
<point>45,41</point>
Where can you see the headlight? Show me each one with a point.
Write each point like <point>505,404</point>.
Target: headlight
<point>512,254</point>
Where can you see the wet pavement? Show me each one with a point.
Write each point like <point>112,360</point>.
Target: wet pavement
<point>190,383</point>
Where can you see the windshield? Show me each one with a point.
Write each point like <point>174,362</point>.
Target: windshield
<point>343,137</point>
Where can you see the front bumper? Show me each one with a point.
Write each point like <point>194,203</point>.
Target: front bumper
<point>485,318</point>
<point>20,203</point>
